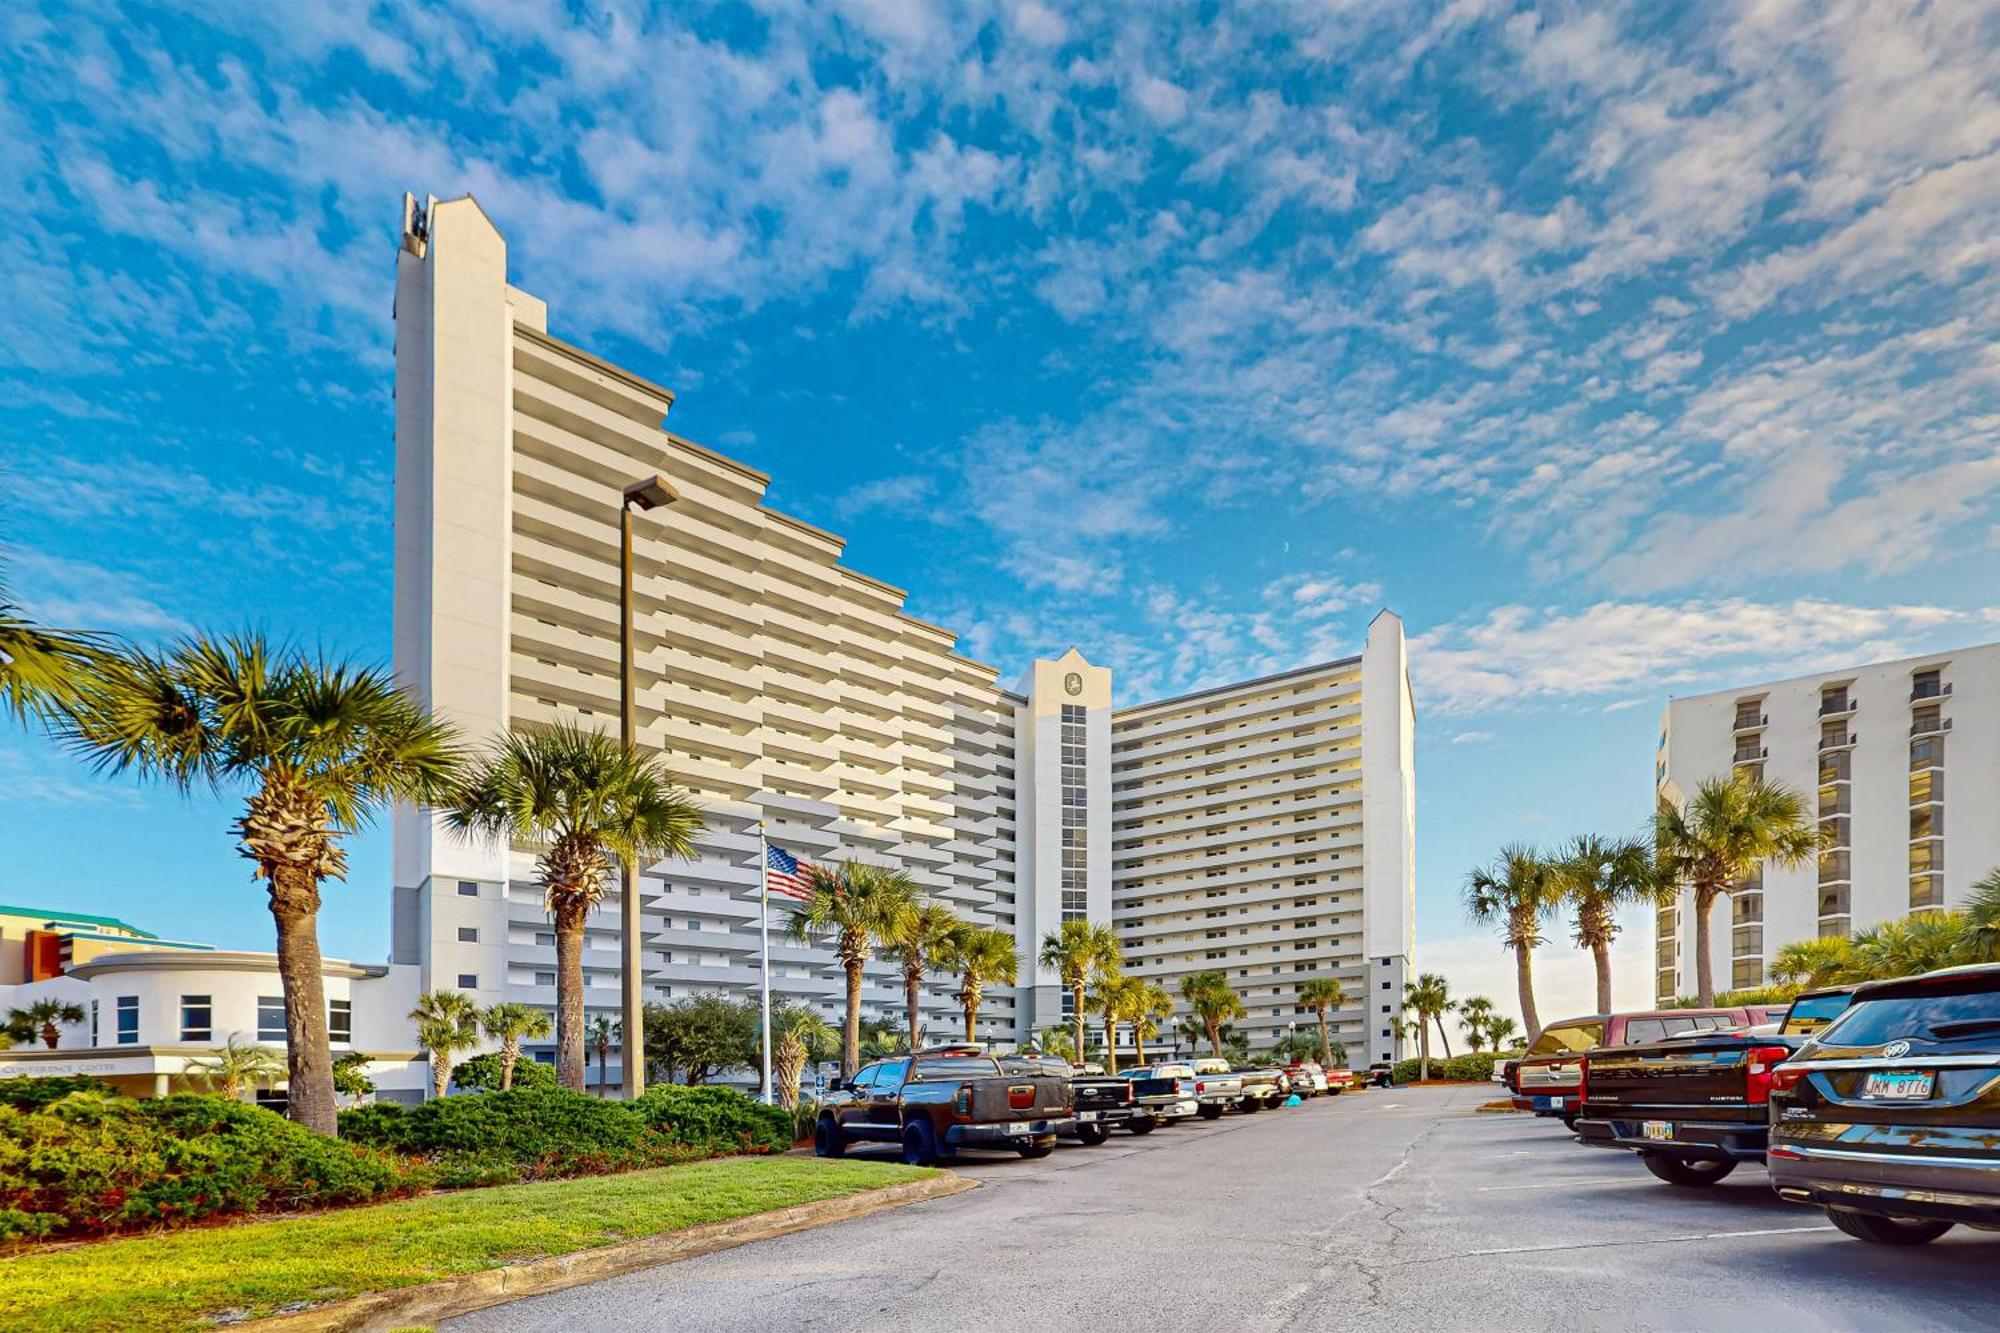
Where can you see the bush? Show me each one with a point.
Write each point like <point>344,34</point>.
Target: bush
<point>88,1164</point>
<point>482,1073</point>
<point>490,1138</point>
<point>30,1094</point>
<point>1476,1067</point>
<point>716,1118</point>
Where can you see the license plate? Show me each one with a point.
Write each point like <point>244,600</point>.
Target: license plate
<point>1658,1129</point>
<point>1018,1127</point>
<point>1086,1117</point>
<point>1545,1103</point>
<point>1901,1086</point>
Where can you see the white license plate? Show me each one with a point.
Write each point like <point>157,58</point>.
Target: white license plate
<point>1087,1117</point>
<point>1658,1129</point>
<point>1018,1127</point>
<point>1899,1086</point>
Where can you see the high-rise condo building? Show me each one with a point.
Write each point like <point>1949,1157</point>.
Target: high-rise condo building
<point>792,694</point>
<point>1881,753</point>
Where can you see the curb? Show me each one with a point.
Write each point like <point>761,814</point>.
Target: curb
<point>430,1302</point>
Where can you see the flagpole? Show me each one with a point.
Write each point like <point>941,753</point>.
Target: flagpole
<point>764,943</point>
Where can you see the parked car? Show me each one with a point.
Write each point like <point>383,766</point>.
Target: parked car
<point>1264,1086</point>
<point>1308,1079</point>
<point>1546,1079</point>
<point>1889,1117</point>
<point>1695,1106</point>
<point>1217,1088</point>
<point>1101,1102</point>
<point>940,1101</point>
<point>1342,1080</point>
<point>1167,1091</point>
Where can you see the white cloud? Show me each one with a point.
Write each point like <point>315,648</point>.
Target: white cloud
<point>1471,737</point>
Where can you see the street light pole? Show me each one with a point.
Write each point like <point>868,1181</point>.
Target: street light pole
<point>645,494</point>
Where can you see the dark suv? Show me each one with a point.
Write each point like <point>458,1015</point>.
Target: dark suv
<point>1889,1117</point>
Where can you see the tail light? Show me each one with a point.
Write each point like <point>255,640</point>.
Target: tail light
<point>1181,1087</point>
<point>1582,1082</point>
<point>1021,1097</point>
<point>1784,1079</point>
<point>961,1103</point>
<point>1200,1086</point>
<point>1758,1075</point>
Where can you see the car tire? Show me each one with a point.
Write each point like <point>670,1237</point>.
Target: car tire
<point>1144,1124</point>
<point>1569,1122</point>
<point>828,1141</point>
<point>1249,1106</point>
<point>1333,1092</point>
<point>1689,1173</point>
<point>1887,1230</point>
<point>1211,1111</point>
<point>1092,1135</point>
<point>919,1144</point>
<point>1036,1151</point>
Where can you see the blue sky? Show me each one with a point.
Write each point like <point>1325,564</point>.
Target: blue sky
<point>1622,350</point>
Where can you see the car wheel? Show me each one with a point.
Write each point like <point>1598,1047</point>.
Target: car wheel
<point>919,1143</point>
<point>1688,1172</point>
<point>1249,1106</point>
<point>1887,1230</point>
<point>1092,1135</point>
<point>1211,1111</point>
<point>1037,1150</point>
<point>1569,1122</point>
<point>1333,1092</point>
<point>828,1141</point>
<point>1144,1124</point>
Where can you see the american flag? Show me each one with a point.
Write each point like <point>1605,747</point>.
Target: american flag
<point>785,874</point>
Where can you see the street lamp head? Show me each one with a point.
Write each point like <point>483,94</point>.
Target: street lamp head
<point>650,493</point>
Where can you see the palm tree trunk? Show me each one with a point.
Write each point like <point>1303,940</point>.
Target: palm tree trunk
<point>603,1070</point>
<point>51,1035</point>
<point>440,1074</point>
<point>850,1037</point>
<point>570,1055</point>
<point>912,982</point>
<point>1443,1036</point>
<point>1139,1043</point>
<point>1423,1051</point>
<point>1602,950</point>
<point>1325,1043</point>
<point>308,1058</point>
<point>1524,985</point>
<point>1079,1023</point>
<point>510,1051</point>
<point>1704,972</point>
<point>1110,1046</point>
<point>1215,1037</point>
<point>971,1012</point>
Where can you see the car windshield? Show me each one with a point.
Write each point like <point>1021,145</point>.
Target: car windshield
<point>1567,1037</point>
<point>1810,1013</point>
<point>1968,1015</point>
<point>957,1066</point>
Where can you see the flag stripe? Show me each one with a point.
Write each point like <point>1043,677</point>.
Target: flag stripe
<point>785,874</point>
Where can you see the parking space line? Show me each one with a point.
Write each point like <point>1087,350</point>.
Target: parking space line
<point>1649,1182</point>
<point>1643,1240</point>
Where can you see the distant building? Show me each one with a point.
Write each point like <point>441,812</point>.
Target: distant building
<point>1881,753</point>
<point>38,943</point>
<point>796,695</point>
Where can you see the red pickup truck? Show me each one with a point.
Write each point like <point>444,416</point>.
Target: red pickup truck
<point>1548,1079</point>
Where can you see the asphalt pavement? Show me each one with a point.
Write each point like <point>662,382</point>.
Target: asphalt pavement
<point>1394,1209</point>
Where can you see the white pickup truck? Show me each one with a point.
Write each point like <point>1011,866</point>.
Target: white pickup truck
<point>1217,1087</point>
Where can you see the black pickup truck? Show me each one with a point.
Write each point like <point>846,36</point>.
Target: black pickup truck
<point>1102,1102</point>
<point>1696,1106</point>
<point>941,1101</point>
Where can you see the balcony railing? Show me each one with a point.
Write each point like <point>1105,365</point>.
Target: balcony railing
<point>1927,726</point>
<point>1839,741</point>
<point>1934,690</point>
<point>1751,721</point>
<point>1835,705</point>
<point>1750,754</point>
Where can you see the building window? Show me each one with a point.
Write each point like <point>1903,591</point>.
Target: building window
<point>270,1018</point>
<point>468,888</point>
<point>273,1099</point>
<point>128,1020</point>
<point>468,981</point>
<point>468,934</point>
<point>93,1023</point>
<point>197,1018</point>
<point>545,978</point>
<point>545,939</point>
<point>340,1022</point>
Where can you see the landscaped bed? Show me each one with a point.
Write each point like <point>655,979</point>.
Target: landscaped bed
<point>186,1278</point>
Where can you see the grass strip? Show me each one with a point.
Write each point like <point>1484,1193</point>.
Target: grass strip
<point>187,1279</point>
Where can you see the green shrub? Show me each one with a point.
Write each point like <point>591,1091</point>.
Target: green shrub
<point>482,1073</point>
<point>30,1093</point>
<point>488,1138</point>
<point>90,1164</point>
<point>719,1119</point>
<point>378,1125</point>
<point>1474,1067</point>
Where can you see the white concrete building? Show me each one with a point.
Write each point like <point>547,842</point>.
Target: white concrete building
<point>1881,753</point>
<point>786,689</point>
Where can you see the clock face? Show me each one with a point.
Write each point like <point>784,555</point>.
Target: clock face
<point>1073,683</point>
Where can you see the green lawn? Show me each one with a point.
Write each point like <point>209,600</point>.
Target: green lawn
<point>178,1280</point>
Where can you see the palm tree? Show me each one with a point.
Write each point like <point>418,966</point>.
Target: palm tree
<point>1429,998</point>
<point>1143,1004</point>
<point>1057,1041</point>
<point>1920,942</point>
<point>1475,1012</point>
<point>981,956</point>
<point>600,1035</point>
<point>916,947</point>
<point>238,1063</point>
<point>447,1023</point>
<point>798,1035</point>
<point>860,906</point>
<point>41,669</point>
<point>1107,998</point>
<point>1809,964</point>
<point>44,1019</point>
<point>510,1024</point>
<point>1520,891</point>
<point>1076,951</point>
<point>1500,1030</point>
<point>322,744</point>
<point>1323,994</point>
<point>1982,915</point>
<point>1214,1004</point>
<point>350,1075</point>
<point>585,800</point>
<point>1730,827</point>
<point>1596,877</point>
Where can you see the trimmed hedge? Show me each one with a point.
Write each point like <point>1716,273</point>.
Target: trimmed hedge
<point>88,1164</point>
<point>720,1119</point>
<point>29,1093</point>
<point>1475,1067</point>
<point>482,1073</point>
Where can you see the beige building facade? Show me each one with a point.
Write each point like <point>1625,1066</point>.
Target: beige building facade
<point>789,692</point>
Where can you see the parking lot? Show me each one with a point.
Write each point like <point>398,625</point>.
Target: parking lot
<point>1394,1209</point>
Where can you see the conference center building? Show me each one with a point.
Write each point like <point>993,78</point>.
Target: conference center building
<point>1263,828</point>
